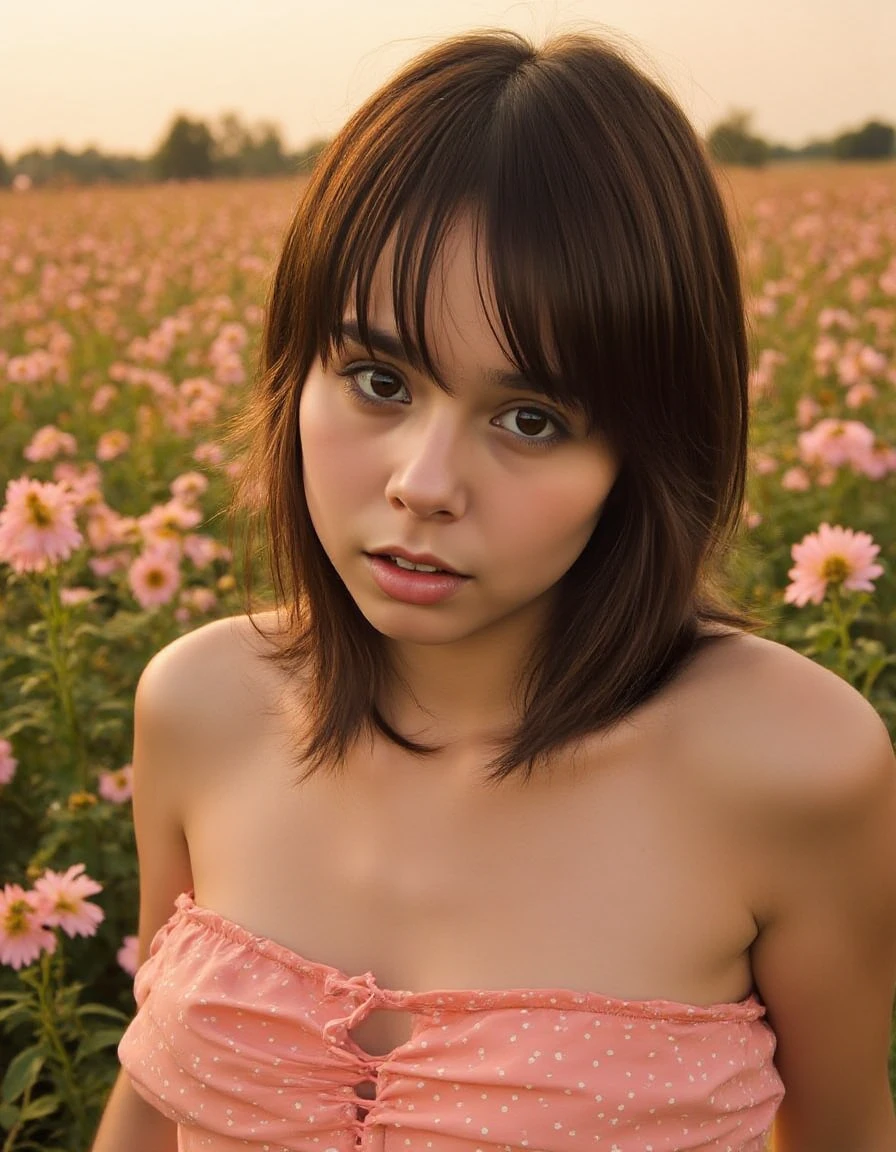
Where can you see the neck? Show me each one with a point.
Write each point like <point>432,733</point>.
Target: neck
<point>464,693</point>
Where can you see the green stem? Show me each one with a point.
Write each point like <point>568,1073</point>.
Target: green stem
<point>50,1033</point>
<point>841,621</point>
<point>55,617</point>
<point>10,1142</point>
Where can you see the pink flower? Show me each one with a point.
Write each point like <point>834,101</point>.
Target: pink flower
<point>154,577</point>
<point>103,397</point>
<point>796,480</point>
<point>208,453</point>
<point>763,463</point>
<point>22,933</point>
<point>62,897</point>
<point>878,461</point>
<point>807,408</point>
<point>116,787</point>
<point>82,482</point>
<point>37,525</point>
<point>835,556</point>
<point>166,521</point>
<point>833,443</point>
<point>198,599</point>
<point>188,486</point>
<point>202,550</point>
<point>49,442</point>
<point>862,393</point>
<point>111,444</point>
<point>103,566</point>
<point>71,597</point>
<point>106,528</point>
<point>127,955</point>
<point>8,762</point>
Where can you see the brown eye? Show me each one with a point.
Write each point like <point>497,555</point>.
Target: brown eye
<point>532,424</point>
<point>375,384</point>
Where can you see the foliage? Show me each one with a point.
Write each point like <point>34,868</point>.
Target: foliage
<point>190,149</point>
<point>129,323</point>
<point>732,142</point>
<point>186,151</point>
<point>872,142</point>
<point>61,167</point>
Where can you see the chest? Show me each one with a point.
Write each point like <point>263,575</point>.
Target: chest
<point>431,883</point>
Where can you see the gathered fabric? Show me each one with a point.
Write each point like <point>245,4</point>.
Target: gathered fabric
<point>246,1044</point>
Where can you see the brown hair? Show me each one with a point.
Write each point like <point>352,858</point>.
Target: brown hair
<point>617,289</point>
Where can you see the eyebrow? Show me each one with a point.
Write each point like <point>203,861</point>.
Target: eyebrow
<point>391,345</point>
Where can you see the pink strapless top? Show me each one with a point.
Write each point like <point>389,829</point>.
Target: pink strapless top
<point>246,1044</point>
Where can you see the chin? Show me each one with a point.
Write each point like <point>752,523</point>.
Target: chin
<point>399,625</point>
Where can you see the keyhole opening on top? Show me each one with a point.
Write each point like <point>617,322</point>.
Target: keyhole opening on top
<point>366,1090</point>
<point>382,1031</point>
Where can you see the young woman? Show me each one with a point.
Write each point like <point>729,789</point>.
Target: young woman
<point>503,832</point>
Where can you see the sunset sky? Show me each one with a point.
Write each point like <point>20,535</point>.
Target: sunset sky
<point>114,72</point>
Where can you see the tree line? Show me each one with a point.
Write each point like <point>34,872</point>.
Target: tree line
<point>193,149</point>
<point>732,141</point>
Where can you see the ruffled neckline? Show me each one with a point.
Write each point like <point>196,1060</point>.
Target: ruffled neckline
<point>336,981</point>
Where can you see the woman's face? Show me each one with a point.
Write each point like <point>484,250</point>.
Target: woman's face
<point>489,480</point>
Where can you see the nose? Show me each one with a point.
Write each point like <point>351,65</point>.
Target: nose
<point>427,477</point>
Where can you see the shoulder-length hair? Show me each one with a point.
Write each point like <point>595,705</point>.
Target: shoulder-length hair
<point>616,288</point>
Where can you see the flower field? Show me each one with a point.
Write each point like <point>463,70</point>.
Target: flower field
<point>129,326</point>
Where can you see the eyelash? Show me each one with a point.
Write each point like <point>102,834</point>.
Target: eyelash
<point>349,377</point>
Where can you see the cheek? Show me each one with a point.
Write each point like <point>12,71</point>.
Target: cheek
<point>560,512</point>
<point>332,464</point>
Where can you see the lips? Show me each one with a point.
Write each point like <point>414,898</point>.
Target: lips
<point>417,558</point>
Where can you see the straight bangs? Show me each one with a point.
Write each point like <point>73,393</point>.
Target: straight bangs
<point>604,284</point>
<point>609,276</point>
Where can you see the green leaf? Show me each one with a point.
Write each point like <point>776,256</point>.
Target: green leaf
<point>102,1038</point>
<point>103,1010</point>
<point>41,1106</point>
<point>22,1072</point>
<point>14,1014</point>
<point>9,1115</point>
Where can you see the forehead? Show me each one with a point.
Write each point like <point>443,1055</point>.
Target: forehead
<point>438,310</point>
<point>444,303</point>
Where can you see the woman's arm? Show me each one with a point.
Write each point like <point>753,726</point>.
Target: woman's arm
<point>825,959</point>
<point>161,758</point>
<point>130,1123</point>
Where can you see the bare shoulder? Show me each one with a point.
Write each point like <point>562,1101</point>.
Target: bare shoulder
<point>214,674</point>
<point>781,730</point>
<point>801,769</point>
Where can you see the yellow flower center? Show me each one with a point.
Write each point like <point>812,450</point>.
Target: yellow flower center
<point>155,578</point>
<point>835,569</point>
<point>79,800</point>
<point>39,514</point>
<point>15,923</point>
<point>63,904</point>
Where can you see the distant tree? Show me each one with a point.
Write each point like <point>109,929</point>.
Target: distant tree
<point>263,154</point>
<point>874,141</point>
<point>304,160</point>
<point>35,164</point>
<point>5,174</point>
<point>187,152</point>
<point>231,137</point>
<point>731,141</point>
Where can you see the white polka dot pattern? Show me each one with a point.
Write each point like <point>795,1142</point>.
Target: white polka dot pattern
<point>247,1045</point>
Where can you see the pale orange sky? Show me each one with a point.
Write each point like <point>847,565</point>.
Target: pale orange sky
<point>114,72</point>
